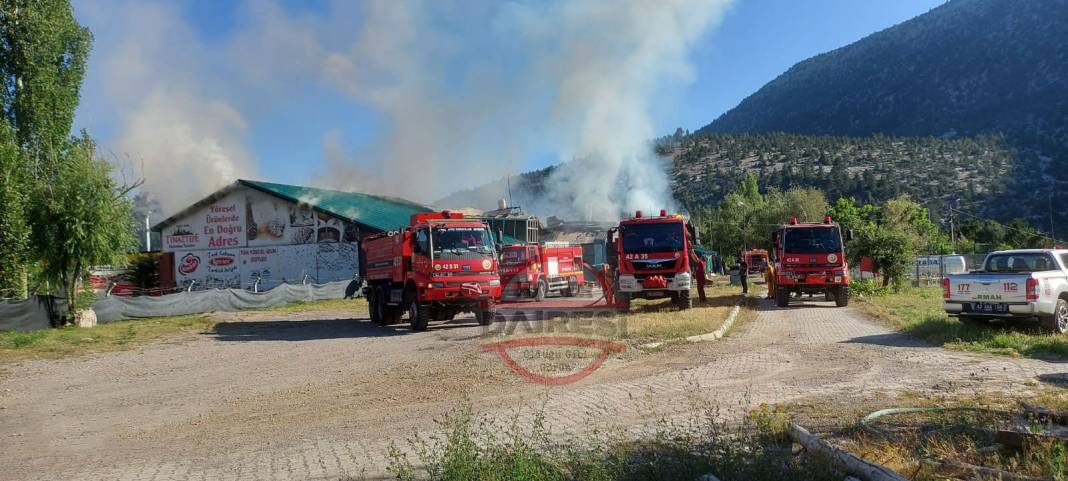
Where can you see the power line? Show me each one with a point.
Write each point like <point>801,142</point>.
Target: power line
<point>1009,227</point>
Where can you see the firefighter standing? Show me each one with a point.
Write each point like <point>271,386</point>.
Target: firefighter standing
<point>743,275</point>
<point>699,266</point>
<point>769,279</point>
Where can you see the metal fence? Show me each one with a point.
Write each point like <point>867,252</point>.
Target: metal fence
<point>931,269</point>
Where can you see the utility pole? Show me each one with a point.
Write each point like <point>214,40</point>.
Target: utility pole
<point>148,233</point>
<point>1052,233</point>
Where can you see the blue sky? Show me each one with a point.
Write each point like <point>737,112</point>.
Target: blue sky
<point>282,123</point>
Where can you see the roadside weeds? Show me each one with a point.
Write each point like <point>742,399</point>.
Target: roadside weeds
<point>992,436</point>
<point>473,449</point>
<point>918,312</point>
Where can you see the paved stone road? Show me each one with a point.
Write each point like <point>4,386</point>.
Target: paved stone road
<point>323,399</point>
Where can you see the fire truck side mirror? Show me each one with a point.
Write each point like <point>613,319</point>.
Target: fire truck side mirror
<point>849,235</point>
<point>775,238</point>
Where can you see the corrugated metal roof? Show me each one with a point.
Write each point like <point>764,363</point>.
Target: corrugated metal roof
<point>379,212</point>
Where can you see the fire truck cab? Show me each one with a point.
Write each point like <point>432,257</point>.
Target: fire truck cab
<point>440,265</point>
<point>651,256</point>
<point>810,259</point>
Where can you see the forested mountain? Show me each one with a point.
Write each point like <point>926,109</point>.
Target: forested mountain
<point>704,167</point>
<point>967,67</point>
<point>932,171</point>
<point>966,103</point>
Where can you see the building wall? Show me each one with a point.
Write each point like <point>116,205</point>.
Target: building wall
<point>248,235</point>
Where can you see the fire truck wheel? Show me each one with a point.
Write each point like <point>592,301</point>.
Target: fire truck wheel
<point>373,306</point>
<point>782,297</point>
<point>841,296</point>
<point>419,314</point>
<point>485,316</point>
<point>683,300</point>
<point>542,291</point>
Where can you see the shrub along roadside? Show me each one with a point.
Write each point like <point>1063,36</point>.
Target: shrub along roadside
<point>918,311</point>
<point>468,448</point>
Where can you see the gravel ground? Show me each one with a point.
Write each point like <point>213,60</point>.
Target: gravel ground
<point>286,396</point>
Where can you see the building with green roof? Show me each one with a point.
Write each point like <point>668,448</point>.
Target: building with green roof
<point>256,235</point>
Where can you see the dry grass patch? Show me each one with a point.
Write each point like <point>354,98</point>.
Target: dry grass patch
<point>113,336</point>
<point>356,306</point>
<point>949,437</point>
<point>659,320</point>
<point>123,335</point>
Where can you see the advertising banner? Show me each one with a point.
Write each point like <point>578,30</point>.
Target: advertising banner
<point>209,268</point>
<point>219,225</point>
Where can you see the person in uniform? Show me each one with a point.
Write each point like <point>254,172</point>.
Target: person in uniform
<point>769,279</point>
<point>699,272</point>
<point>743,275</point>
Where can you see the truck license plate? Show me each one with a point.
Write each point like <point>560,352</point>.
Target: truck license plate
<point>990,308</point>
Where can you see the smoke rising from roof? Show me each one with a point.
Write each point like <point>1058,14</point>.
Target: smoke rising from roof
<point>464,93</point>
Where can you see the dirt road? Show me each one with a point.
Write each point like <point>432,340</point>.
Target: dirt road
<point>272,397</point>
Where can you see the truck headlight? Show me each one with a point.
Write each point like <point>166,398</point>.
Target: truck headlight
<point>436,285</point>
<point>495,282</point>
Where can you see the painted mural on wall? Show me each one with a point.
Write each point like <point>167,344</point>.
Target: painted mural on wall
<point>218,225</point>
<point>278,265</point>
<point>210,268</point>
<point>248,236</point>
<point>336,261</point>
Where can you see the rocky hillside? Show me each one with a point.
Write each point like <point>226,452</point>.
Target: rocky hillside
<point>968,101</point>
<point>704,167</point>
<point>965,68</point>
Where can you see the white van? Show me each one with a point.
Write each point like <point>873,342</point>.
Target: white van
<point>937,266</point>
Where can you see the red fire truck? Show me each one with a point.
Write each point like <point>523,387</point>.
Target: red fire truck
<point>810,259</point>
<point>535,271</point>
<point>651,257</point>
<point>755,259</point>
<point>435,268</point>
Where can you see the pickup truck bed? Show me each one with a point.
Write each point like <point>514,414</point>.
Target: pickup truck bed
<point>1018,284</point>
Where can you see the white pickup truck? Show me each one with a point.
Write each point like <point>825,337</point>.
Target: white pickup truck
<point>1016,284</point>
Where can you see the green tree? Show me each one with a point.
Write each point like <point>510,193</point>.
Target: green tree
<point>83,219</point>
<point>14,230</point>
<point>43,51</point>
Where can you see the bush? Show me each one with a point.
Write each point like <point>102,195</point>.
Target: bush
<point>867,288</point>
<point>473,449</point>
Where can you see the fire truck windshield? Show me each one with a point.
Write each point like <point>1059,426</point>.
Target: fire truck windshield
<point>813,240</point>
<point>462,243</point>
<point>652,237</point>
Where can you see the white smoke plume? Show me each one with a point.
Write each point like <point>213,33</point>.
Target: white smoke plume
<point>173,124</point>
<point>464,92</point>
<point>580,86</point>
